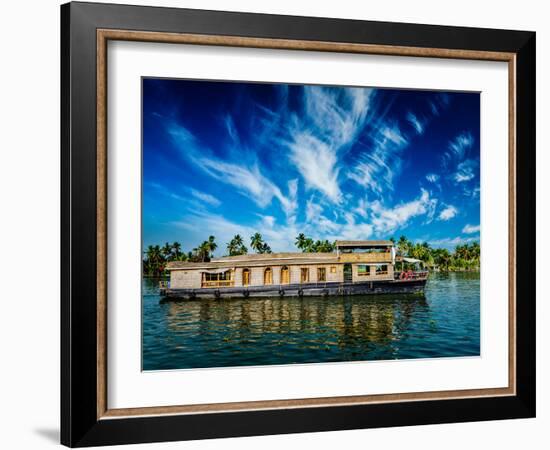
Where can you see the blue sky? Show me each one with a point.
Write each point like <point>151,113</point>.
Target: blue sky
<point>223,158</point>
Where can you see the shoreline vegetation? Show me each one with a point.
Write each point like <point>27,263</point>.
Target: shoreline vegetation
<point>464,258</point>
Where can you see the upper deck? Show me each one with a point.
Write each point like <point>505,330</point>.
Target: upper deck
<point>382,252</point>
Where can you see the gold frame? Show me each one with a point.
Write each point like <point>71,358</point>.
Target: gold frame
<point>103,36</point>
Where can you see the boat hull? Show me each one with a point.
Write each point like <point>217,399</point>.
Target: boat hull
<point>300,290</point>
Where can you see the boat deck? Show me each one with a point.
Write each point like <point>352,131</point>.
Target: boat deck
<point>398,286</point>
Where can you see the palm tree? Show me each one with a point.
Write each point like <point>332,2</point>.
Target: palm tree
<point>231,248</point>
<point>257,243</point>
<point>166,250</point>
<point>403,246</point>
<point>476,248</point>
<point>236,246</point>
<point>202,252</point>
<point>212,246</point>
<point>154,262</point>
<point>180,257</point>
<point>324,246</point>
<point>309,245</point>
<point>176,247</point>
<point>442,258</point>
<point>301,241</point>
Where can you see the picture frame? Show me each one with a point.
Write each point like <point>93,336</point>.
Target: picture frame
<point>86,418</point>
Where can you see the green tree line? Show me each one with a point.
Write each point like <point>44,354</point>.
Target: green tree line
<point>464,257</point>
<point>156,257</point>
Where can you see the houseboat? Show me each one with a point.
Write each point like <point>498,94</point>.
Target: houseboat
<point>356,267</point>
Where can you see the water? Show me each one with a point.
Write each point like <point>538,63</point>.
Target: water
<point>224,333</point>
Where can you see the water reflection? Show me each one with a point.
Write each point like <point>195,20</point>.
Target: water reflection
<point>221,333</point>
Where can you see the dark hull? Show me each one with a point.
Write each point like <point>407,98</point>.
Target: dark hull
<point>301,290</point>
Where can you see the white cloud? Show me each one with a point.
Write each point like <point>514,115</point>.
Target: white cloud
<point>203,196</point>
<point>361,208</point>
<point>465,171</point>
<point>471,229</point>
<point>387,220</point>
<point>460,177</point>
<point>352,230</point>
<point>315,140</point>
<point>376,219</point>
<point>439,103</point>
<point>473,193</point>
<point>448,213</point>
<point>231,128</point>
<point>317,163</point>
<point>376,168</point>
<point>432,177</point>
<point>198,225</point>
<point>247,179</point>
<point>331,122</point>
<point>268,221</point>
<point>313,210</point>
<point>416,123</point>
<point>452,242</point>
<point>458,148</point>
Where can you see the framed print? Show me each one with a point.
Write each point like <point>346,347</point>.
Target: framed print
<point>276,224</point>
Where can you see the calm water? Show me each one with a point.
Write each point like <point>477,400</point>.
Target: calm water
<point>221,333</point>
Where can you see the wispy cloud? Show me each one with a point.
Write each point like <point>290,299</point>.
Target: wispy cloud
<point>380,163</point>
<point>203,196</point>
<point>315,219</point>
<point>452,242</point>
<point>417,123</point>
<point>163,190</point>
<point>439,103</point>
<point>323,161</point>
<point>317,162</point>
<point>247,179</point>
<point>471,229</point>
<point>330,123</point>
<point>387,220</point>
<point>465,171</point>
<point>471,192</point>
<point>432,177</point>
<point>458,148</point>
<point>448,213</point>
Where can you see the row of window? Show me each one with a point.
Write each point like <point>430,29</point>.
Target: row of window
<point>285,275</point>
<point>226,278</point>
<point>364,270</point>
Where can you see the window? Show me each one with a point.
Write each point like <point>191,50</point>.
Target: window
<point>304,275</point>
<point>321,274</point>
<point>333,269</point>
<point>268,276</point>
<point>381,269</point>
<point>285,275</point>
<point>219,279</point>
<point>363,270</point>
<point>246,277</point>
<point>220,276</point>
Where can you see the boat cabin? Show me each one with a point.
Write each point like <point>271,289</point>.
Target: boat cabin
<point>353,261</point>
